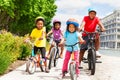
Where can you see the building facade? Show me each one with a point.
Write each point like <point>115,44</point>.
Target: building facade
<point>111,38</point>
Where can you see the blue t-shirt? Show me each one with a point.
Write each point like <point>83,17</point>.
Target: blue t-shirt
<point>71,39</point>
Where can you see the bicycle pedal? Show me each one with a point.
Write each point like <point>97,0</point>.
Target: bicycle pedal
<point>98,61</point>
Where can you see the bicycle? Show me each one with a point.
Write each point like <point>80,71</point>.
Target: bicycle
<point>34,61</point>
<point>91,57</point>
<point>54,55</point>
<point>72,64</point>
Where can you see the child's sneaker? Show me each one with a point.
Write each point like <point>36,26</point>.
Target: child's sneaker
<point>63,73</point>
<point>46,70</point>
<point>98,55</point>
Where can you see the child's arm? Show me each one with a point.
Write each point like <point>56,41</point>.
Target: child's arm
<point>81,40</point>
<point>43,34</point>
<point>61,33</point>
<point>50,32</point>
<point>101,26</point>
<point>62,41</point>
<point>81,26</point>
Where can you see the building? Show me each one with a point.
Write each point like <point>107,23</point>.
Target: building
<point>111,38</point>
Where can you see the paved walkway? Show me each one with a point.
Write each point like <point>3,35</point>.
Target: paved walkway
<point>109,69</point>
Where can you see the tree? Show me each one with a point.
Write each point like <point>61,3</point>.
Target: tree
<point>18,16</point>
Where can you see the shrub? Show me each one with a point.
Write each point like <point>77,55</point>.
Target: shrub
<point>4,62</point>
<point>11,48</point>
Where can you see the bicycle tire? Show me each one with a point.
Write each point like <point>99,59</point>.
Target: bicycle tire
<point>72,69</point>
<point>27,64</point>
<point>31,66</point>
<point>92,61</point>
<point>56,58</point>
<point>89,59</point>
<point>51,60</point>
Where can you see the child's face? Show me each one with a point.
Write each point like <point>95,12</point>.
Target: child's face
<point>39,24</point>
<point>71,28</point>
<point>92,15</point>
<point>57,25</point>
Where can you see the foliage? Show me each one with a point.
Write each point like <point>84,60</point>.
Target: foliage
<point>4,62</point>
<point>11,49</point>
<point>18,16</point>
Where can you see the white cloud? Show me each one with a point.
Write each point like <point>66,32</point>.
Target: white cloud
<point>70,8</point>
<point>71,5</point>
<point>64,17</point>
<point>114,3</point>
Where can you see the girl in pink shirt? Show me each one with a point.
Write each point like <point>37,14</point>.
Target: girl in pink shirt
<point>57,35</point>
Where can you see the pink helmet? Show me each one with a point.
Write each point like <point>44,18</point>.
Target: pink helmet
<point>56,21</point>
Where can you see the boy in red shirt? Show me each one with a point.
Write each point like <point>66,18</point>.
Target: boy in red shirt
<point>89,24</point>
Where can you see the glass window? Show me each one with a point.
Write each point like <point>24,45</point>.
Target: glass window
<point>118,36</point>
<point>118,30</point>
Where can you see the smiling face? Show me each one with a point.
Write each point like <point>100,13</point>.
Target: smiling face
<point>71,28</point>
<point>92,15</point>
<point>39,24</point>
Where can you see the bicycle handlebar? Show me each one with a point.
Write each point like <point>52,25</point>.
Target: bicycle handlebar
<point>96,32</point>
<point>71,45</point>
<point>31,43</point>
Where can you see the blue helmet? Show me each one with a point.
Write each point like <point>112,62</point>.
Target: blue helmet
<point>91,10</point>
<point>72,21</point>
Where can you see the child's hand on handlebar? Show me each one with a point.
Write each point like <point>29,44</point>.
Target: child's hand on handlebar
<point>82,41</point>
<point>26,40</point>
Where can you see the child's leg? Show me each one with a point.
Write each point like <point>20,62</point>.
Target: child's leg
<point>52,44</point>
<point>43,52</point>
<point>66,60</point>
<point>62,49</point>
<point>35,53</point>
<point>76,57</point>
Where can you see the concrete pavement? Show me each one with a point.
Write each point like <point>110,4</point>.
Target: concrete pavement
<point>109,69</point>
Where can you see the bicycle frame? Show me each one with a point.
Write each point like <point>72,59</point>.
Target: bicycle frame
<point>33,60</point>
<point>91,51</point>
<point>55,46</point>
<point>72,65</point>
<point>54,54</point>
<point>56,49</point>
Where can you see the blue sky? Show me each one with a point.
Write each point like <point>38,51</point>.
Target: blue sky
<point>79,8</point>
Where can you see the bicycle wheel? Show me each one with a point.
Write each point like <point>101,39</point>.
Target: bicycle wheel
<point>27,65</point>
<point>92,61</point>
<point>56,59</point>
<point>51,60</point>
<point>72,68</point>
<point>89,59</point>
<point>31,66</point>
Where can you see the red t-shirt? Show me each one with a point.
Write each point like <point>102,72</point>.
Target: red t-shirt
<point>90,24</point>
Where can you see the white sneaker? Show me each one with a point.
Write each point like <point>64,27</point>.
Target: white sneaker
<point>98,55</point>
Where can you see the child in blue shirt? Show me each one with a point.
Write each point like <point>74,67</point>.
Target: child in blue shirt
<point>71,37</point>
